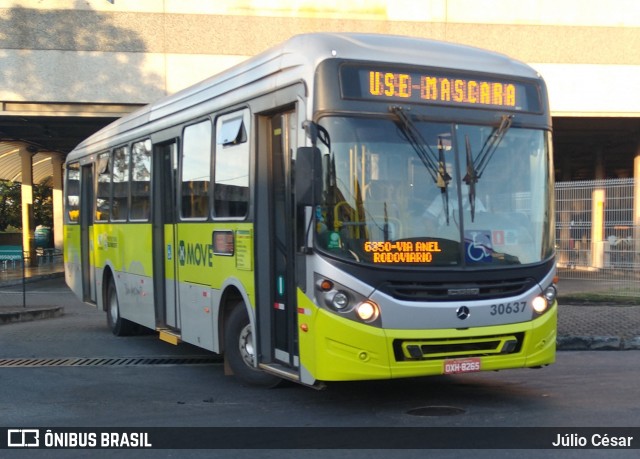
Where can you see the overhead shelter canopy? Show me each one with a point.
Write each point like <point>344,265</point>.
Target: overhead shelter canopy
<point>11,165</point>
<point>43,136</point>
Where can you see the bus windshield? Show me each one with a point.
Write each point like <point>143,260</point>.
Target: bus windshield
<point>397,191</point>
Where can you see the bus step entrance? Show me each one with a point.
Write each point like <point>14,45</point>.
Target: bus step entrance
<point>169,336</point>
<point>280,371</point>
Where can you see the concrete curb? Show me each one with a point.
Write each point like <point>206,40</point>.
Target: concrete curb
<point>26,315</point>
<point>27,280</point>
<point>597,343</point>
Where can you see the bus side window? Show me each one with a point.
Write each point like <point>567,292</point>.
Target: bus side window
<point>231,186</point>
<point>196,170</point>
<point>103,192</point>
<point>120,184</point>
<point>72,192</point>
<point>140,180</point>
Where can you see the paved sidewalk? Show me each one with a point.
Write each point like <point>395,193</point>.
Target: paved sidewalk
<point>580,326</point>
<point>14,276</point>
<point>18,308</point>
<point>597,326</point>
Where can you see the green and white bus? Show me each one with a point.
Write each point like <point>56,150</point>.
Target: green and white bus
<point>340,207</point>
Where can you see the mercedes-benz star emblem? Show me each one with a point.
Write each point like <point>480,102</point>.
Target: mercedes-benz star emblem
<point>463,312</point>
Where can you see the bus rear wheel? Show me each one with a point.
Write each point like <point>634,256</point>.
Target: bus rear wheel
<point>240,352</point>
<point>118,325</point>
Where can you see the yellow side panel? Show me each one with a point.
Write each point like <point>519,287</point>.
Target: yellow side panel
<point>71,244</point>
<point>72,258</point>
<point>127,246</point>
<point>199,262</point>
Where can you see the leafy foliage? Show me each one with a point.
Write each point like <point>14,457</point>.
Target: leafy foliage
<point>11,205</point>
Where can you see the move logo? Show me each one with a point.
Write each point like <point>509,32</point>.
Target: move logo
<point>195,254</point>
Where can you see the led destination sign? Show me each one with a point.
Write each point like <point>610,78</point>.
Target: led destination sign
<point>437,87</point>
<point>402,251</point>
<point>442,89</point>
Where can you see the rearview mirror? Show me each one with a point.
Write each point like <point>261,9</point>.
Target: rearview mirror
<point>308,176</point>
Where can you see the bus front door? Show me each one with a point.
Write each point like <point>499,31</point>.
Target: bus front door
<point>164,231</point>
<point>276,285</point>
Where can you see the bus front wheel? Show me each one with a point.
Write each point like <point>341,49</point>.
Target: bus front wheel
<point>240,352</point>
<point>118,325</point>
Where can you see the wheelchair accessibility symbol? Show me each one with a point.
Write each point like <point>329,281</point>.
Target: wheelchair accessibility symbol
<point>478,246</point>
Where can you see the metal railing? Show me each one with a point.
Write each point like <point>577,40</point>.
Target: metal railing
<point>16,266</point>
<point>597,234</point>
<point>12,259</point>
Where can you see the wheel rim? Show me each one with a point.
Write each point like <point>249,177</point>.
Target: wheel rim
<point>246,346</point>
<point>113,307</point>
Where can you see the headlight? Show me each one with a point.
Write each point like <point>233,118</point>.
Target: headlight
<point>346,302</point>
<point>367,311</point>
<point>550,293</point>
<point>340,301</point>
<point>539,304</point>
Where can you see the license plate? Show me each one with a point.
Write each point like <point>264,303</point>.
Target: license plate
<point>454,366</point>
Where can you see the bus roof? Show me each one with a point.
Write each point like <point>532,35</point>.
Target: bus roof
<point>300,55</point>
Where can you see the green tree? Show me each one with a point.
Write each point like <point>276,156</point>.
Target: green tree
<point>43,205</point>
<point>10,205</point>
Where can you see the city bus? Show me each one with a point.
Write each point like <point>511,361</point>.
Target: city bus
<point>340,207</point>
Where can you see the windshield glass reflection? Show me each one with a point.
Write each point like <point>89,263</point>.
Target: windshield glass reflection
<point>434,194</point>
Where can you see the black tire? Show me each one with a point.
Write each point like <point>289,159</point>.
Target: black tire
<point>118,325</point>
<point>239,351</point>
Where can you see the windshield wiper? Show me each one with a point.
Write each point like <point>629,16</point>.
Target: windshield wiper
<point>443,179</point>
<point>476,167</point>
<point>434,164</point>
<point>471,178</point>
<point>411,133</point>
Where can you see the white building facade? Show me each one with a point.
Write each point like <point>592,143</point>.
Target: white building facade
<point>67,67</point>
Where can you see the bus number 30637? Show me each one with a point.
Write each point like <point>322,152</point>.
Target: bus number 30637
<point>508,308</point>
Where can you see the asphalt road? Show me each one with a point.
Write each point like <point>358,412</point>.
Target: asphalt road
<point>79,375</point>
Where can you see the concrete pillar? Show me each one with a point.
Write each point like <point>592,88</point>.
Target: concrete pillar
<point>564,215</point>
<point>636,201</point>
<point>57,160</point>
<point>597,228</point>
<point>26,189</point>
<point>597,215</point>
